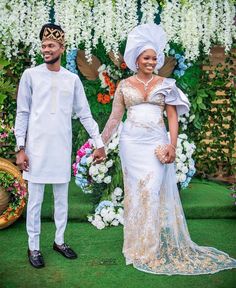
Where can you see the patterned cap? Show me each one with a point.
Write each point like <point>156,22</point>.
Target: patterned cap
<point>52,32</point>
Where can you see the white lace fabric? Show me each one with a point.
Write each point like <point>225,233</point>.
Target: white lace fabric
<point>156,237</point>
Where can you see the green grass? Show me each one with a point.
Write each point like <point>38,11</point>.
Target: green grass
<point>202,199</point>
<point>101,263</point>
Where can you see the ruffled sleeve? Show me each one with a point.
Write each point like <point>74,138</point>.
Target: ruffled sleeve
<point>174,96</point>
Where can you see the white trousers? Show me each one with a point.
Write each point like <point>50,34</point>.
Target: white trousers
<point>33,220</point>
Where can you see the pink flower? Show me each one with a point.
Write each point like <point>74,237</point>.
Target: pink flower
<point>87,145</point>
<point>4,135</point>
<point>81,152</point>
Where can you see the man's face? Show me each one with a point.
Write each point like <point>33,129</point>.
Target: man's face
<point>51,51</point>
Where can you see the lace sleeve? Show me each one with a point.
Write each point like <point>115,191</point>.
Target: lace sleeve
<point>118,109</point>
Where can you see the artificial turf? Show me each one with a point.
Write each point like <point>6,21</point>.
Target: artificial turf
<point>202,199</point>
<point>101,263</point>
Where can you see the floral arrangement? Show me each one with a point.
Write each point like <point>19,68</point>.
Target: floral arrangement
<point>109,213</point>
<point>184,163</point>
<point>182,65</point>
<point>17,194</point>
<point>88,173</point>
<point>193,24</point>
<point>110,76</point>
<point>25,19</point>
<point>7,139</point>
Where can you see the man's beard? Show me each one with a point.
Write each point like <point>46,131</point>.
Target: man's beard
<point>52,61</point>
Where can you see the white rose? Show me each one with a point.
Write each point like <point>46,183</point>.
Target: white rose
<point>97,217</point>
<point>182,177</point>
<point>93,171</point>
<point>90,218</point>
<point>115,222</point>
<point>118,191</point>
<point>179,150</point>
<point>103,212</point>
<point>103,168</point>
<point>107,180</point>
<point>112,146</point>
<point>183,136</point>
<point>99,224</point>
<point>179,166</point>
<point>109,163</point>
<point>184,169</point>
<point>89,160</point>
<point>182,157</point>
<point>100,177</point>
<point>110,216</point>
<point>120,218</point>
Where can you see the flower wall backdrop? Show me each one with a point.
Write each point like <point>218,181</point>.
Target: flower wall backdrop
<point>194,24</point>
<point>96,32</point>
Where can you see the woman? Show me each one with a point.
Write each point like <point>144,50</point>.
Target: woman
<point>156,237</point>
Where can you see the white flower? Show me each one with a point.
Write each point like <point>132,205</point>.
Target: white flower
<point>112,146</point>
<point>100,177</point>
<point>115,222</point>
<point>184,169</point>
<point>102,168</point>
<point>118,191</point>
<point>102,68</point>
<point>99,224</point>
<point>182,157</point>
<point>103,212</point>
<point>183,136</point>
<point>89,160</point>
<point>109,216</point>
<point>93,171</point>
<point>182,177</point>
<point>90,218</point>
<point>109,163</point>
<point>107,179</point>
<point>179,166</point>
<point>191,118</point>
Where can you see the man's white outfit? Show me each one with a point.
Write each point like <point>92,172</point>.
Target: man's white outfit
<point>45,104</point>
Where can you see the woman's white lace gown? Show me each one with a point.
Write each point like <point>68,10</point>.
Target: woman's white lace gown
<point>156,237</point>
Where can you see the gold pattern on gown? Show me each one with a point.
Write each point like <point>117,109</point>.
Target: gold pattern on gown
<point>156,237</point>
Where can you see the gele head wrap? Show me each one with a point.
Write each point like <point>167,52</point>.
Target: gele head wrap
<point>141,38</point>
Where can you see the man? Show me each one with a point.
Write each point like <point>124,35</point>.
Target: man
<point>48,95</point>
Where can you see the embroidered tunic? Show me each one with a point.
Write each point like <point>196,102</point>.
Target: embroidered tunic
<point>45,104</point>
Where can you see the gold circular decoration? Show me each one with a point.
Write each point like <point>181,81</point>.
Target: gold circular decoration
<point>17,192</point>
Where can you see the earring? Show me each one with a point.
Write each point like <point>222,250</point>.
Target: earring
<point>137,67</point>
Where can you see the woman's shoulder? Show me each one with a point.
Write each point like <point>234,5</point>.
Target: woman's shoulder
<point>169,82</point>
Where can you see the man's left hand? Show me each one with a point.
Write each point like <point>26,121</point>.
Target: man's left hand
<point>99,155</point>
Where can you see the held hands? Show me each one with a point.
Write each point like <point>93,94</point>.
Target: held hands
<point>170,154</point>
<point>99,155</point>
<point>22,160</point>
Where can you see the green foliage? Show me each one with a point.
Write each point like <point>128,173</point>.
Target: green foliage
<point>214,124</point>
<point>7,111</point>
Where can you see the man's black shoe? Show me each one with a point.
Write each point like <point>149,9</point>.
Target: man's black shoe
<point>36,258</point>
<point>65,250</point>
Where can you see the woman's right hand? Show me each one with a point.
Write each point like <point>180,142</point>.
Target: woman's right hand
<point>22,160</point>
<point>170,154</point>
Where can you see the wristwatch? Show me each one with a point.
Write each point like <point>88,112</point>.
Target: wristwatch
<point>19,148</point>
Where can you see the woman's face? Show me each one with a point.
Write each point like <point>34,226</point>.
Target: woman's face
<point>147,61</point>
